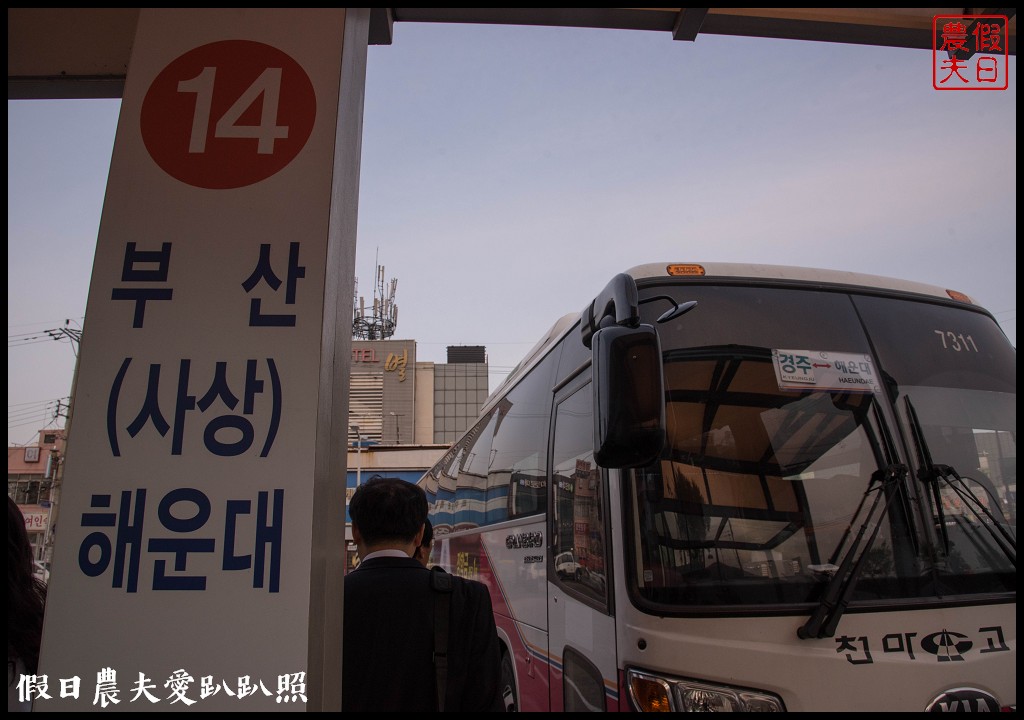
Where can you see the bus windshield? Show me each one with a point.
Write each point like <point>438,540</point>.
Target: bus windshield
<point>767,475</point>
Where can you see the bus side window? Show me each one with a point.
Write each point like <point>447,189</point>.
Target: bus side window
<point>471,485</point>
<point>579,545</point>
<point>518,467</point>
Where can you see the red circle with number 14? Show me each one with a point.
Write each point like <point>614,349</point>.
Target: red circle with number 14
<point>228,114</point>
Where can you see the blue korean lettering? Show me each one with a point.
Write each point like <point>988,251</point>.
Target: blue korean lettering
<point>253,387</point>
<point>219,389</point>
<point>131,273</point>
<point>150,411</point>
<point>129,533</point>
<point>267,534</point>
<point>265,272</point>
<point>250,543</point>
<point>185,402</point>
<point>181,547</point>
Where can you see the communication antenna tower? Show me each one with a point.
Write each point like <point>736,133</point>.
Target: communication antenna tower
<point>378,322</point>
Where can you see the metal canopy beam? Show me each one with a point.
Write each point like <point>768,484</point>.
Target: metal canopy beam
<point>83,52</point>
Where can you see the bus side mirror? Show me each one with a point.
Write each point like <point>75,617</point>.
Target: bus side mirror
<point>629,402</point>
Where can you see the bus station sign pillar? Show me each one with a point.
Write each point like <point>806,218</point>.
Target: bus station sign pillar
<point>199,559</point>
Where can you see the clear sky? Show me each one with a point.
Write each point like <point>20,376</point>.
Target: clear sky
<point>509,172</point>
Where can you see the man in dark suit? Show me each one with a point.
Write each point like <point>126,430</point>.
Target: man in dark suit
<point>388,661</point>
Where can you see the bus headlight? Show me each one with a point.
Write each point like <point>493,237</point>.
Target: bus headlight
<point>654,693</point>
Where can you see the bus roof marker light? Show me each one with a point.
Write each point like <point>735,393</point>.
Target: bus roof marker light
<point>690,270</point>
<point>959,296</point>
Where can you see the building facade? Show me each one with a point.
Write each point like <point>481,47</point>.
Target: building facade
<point>32,475</point>
<point>396,400</point>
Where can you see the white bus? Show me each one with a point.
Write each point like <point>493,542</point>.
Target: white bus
<point>748,488</point>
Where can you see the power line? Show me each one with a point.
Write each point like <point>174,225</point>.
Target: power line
<point>23,340</point>
<point>39,412</point>
<point>46,323</point>
<point>65,334</point>
<point>34,402</point>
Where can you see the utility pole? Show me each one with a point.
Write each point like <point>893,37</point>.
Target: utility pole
<point>74,336</point>
<point>359,455</point>
<point>398,432</point>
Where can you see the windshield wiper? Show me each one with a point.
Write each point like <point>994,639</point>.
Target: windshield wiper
<point>931,473</point>
<point>886,483</point>
<point>924,474</point>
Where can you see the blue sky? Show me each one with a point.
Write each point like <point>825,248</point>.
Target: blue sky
<point>509,172</point>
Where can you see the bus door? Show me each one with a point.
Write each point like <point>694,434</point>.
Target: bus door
<point>584,675</point>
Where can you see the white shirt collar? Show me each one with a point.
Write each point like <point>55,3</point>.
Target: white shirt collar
<point>386,553</point>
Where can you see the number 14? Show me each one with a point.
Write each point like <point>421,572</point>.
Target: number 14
<point>268,84</point>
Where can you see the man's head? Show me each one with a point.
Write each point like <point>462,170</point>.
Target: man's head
<point>388,512</point>
<point>423,551</point>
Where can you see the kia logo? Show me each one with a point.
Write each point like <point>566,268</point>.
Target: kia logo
<point>963,700</point>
